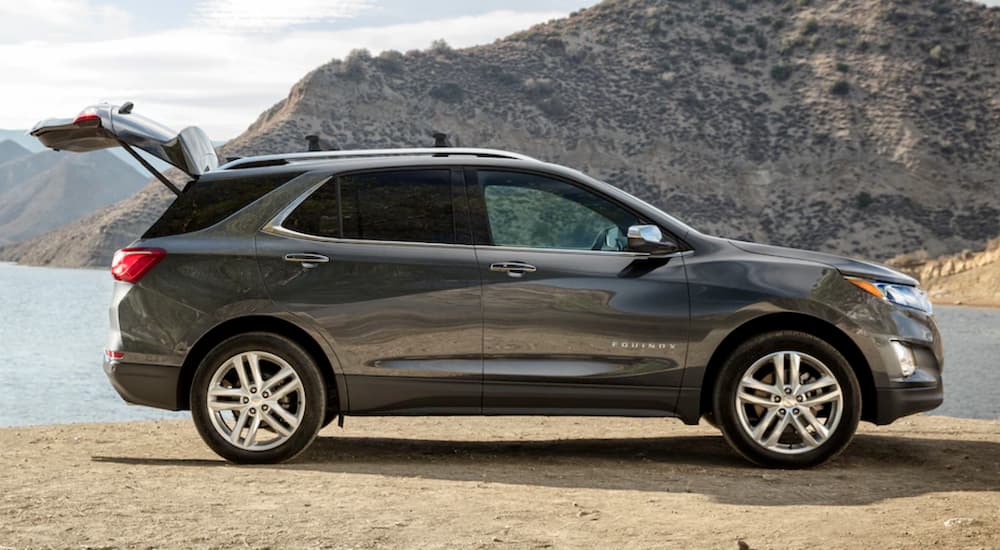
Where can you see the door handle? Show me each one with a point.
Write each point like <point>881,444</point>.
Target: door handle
<point>514,269</point>
<point>307,260</point>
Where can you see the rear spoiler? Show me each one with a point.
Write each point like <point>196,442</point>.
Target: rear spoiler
<point>103,126</point>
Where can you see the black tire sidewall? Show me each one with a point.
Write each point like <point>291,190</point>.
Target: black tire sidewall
<point>312,383</point>
<point>740,360</point>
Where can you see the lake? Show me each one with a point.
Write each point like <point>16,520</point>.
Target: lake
<point>54,326</point>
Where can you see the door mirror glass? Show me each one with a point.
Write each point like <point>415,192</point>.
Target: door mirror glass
<point>649,239</point>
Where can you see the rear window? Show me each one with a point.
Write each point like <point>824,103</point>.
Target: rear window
<point>207,202</point>
<point>409,206</point>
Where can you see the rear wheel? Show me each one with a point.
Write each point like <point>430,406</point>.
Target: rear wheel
<point>258,398</point>
<point>787,400</point>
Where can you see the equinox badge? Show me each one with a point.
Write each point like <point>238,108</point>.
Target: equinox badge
<point>642,345</point>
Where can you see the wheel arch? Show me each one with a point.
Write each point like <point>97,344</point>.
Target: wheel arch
<point>259,323</point>
<point>797,322</point>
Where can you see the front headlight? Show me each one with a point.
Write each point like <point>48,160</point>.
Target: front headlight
<point>901,295</point>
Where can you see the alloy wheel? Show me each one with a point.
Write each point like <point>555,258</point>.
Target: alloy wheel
<point>256,400</point>
<point>789,402</point>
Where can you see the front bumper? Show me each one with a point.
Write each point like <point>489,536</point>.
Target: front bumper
<point>921,391</point>
<point>149,385</point>
<point>894,403</point>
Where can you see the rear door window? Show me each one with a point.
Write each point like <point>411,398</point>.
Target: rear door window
<point>405,206</point>
<point>210,200</point>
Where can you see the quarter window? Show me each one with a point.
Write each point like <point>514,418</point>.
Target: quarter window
<point>410,206</point>
<point>527,210</point>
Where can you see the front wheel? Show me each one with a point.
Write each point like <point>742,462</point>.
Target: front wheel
<point>258,398</point>
<point>787,400</point>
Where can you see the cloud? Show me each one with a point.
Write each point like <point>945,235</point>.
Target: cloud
<point>60,20</point>
<point>273,15</point>
<point>213,78</point>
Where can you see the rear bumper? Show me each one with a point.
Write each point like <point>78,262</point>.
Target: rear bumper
<point>149,385</point>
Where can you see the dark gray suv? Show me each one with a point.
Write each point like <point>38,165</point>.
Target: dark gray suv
<point>280,293</point>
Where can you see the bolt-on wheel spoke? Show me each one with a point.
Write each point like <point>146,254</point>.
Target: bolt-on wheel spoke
<point>820,430</point>
<point>821,399</point>
<point>756,400</point>
<point>251,437</point>
<point>254,360</point>
<point>225,392</point>
<point>822,383</point>
<point>241,371</point>
<point>794,363</point>
<point>234,435</point>
<point>225,405</point>
<point>779,369</point>
<point>750,383</point>
<point>789,389</point>
<point>803,432</point>
<point>765,423</point>
<point>776,433</point>
<point>286,389</point>
<point>238,414</point>
<point>278,378</point>
<point>272,421</point>
<point>286,416</point>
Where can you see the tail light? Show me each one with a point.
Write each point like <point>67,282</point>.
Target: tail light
<point>130,264</point>
<point>88,117</point>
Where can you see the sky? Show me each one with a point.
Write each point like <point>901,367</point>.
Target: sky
<point>216,63</point>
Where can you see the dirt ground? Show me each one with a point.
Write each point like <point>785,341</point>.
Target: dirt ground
<point>498,483</point>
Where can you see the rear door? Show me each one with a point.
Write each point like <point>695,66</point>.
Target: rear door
<point>104,126</point>
<point>573,322</point>
<point>383,262</point>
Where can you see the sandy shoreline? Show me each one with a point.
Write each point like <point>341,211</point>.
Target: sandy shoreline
<point>497,483</point>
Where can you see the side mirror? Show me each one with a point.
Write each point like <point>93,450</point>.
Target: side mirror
<point>649,239</point>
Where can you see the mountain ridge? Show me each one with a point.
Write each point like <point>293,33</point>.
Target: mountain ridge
<point>43,191</point>
<point>853,127</point>
<point>11,150</point>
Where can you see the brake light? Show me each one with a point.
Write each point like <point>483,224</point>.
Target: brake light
<point>130,264</point>
<point>88,117</point>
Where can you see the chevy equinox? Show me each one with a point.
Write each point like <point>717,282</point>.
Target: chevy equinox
<point>279,293</point>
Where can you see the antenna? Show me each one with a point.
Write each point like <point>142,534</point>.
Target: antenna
<point>313,142</point>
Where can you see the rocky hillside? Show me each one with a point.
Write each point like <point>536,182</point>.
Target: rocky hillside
<point>964,278</point>
<point>46,190</point>
<point>866,127</point>
<point>93,239</point>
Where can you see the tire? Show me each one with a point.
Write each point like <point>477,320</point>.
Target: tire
<point>817,416</point>
<point>287,378</point>
<point>709,418</point>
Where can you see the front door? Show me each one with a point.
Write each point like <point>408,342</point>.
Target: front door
<point>573,322</point>
<point>383,262</point>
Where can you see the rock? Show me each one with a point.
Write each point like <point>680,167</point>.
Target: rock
<point>959,522</point>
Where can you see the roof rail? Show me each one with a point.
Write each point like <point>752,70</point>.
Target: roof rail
<point>288,158</point>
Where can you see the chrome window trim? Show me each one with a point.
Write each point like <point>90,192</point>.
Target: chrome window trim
<point>275,227</point>
<point>285,232</point>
